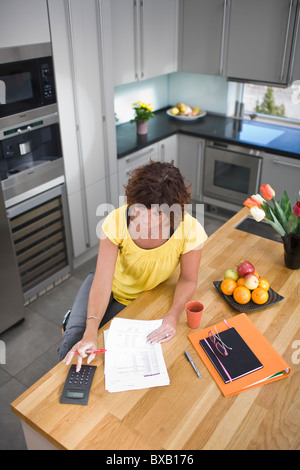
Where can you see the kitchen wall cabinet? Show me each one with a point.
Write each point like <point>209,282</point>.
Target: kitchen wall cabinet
<point>144,36</point>
<point>294,70</point>
<point>282,173</point>
<point>190,162</point>
<point>23,22</point>
<point>250,41</point>
<point>260,39</point>
<point>203,36</point>
<point>75,42</point>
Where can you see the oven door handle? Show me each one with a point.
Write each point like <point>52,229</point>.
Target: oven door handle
<point>279,162</point>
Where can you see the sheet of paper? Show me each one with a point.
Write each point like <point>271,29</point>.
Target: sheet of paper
<point>130,362</point>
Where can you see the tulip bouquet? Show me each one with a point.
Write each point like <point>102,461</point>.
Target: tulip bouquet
<point>282,217</point>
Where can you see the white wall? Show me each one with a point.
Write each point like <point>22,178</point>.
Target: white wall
<point>211,93</point>
<point>153,91</point>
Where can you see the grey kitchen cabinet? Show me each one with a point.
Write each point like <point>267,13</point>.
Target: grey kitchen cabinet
<point>260,40</point>
<point>203,26</point>
<point>294,70</point>
<point>144,35</point>
<point>253,41</point>
<point>80,103</point>
<point>23,23</point>
<point>282,173</point>
<point>134,160</point>
<point>190,162</point>
<point>167,149</point>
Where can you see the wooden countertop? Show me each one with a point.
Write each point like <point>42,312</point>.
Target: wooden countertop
<point>190,413</point>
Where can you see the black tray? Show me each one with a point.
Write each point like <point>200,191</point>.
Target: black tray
<point>249,306</point>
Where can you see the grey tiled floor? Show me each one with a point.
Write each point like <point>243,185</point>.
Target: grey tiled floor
<point>31,347</point>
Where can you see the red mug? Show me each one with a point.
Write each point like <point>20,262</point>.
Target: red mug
<point>194,310</point>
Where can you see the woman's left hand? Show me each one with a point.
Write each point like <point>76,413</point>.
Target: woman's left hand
<point>165,332</point>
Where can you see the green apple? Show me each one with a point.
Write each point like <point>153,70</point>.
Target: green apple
<point>231,273</point>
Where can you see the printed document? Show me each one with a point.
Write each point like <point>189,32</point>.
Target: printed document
<point>130,362</point>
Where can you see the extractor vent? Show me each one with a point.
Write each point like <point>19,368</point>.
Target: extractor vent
<point>40,242</point>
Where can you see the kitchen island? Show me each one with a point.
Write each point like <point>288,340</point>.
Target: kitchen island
<point>190,413</point>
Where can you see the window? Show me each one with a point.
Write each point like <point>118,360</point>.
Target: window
<point>283,102</point>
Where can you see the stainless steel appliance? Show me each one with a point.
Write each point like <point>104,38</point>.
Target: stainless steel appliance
<point>231,173</point>
<point>41,237</point>
<point>33,189</point>
<point>26,80</point>
<point>30,154</point>
<point>11,295</point>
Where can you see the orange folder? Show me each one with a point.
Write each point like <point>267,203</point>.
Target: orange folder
<point>274,367</point>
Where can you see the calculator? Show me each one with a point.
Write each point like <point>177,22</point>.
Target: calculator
<point>77,385</point>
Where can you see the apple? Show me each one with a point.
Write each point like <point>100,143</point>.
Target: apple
<point>231,273</point>
<point>245,267</point>
<point>251,281</point>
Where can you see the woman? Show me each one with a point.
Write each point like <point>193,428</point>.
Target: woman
<point>141,244</point>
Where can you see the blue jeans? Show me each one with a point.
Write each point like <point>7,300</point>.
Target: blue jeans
<point>77,321</point>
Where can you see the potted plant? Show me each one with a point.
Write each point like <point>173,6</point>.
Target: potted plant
<point>143,112</point>
<point>284,218</point>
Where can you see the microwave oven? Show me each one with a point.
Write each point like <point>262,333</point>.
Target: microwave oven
<point>26,79</point>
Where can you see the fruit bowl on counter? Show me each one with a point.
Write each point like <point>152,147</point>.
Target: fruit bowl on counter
<point>245,290</point>
<point>185,112</point>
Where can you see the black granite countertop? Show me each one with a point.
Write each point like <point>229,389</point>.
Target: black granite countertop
<point>280,140</point>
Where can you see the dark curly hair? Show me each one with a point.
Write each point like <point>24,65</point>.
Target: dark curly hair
<point>159,183</point>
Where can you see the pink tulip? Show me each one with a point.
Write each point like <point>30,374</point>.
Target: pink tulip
<point>251,203</point>
<point>296,209</point>
<point>267,192</point>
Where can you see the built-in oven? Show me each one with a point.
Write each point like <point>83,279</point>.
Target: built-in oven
<point>30,155</point>
<point>231,173</point>
<point>26,80</point>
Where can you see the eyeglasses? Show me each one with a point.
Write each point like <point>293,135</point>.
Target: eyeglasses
<point>219,344</point>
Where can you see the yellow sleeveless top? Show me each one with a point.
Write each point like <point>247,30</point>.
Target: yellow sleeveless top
<point>137,269</point>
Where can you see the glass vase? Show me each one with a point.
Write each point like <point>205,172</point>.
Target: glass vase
<point>291,243</point>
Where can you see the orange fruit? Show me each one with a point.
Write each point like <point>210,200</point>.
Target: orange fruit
<point>227,286</point>
<point>240,281</point>
<point>256,273</point>
<point>241,295</point>
<point>263,283</point>
<point>259,296</point>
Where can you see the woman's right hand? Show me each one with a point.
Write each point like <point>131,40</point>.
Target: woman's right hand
<point>88,343</point>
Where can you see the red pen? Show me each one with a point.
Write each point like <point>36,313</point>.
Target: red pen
<point>97,351</point>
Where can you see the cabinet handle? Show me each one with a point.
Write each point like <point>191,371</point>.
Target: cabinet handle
<point>279,162</point>
<point>290,79</point>
<point>162,155</point>
<point>142,52</point>
<point>223,37</point>
<point>198,184</point>
<point>135,33</point>
<point>137,157</point>
<point>286,41</point>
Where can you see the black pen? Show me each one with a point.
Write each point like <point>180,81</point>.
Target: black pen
<point>187,355</point>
